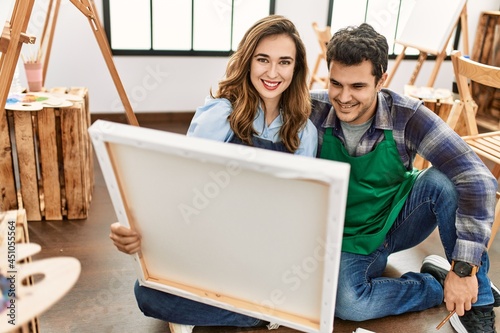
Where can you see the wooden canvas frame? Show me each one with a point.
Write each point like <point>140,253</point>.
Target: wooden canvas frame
<point>253,231</point>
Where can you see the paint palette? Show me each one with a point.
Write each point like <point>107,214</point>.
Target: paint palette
<point>38,101</point>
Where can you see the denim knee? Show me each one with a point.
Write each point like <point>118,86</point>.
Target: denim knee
<point>437,181</point>
<point>351,303</point>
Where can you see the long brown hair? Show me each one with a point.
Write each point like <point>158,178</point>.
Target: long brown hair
<point>244,98</point>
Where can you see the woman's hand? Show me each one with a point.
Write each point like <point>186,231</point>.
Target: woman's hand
<point>126,240</point>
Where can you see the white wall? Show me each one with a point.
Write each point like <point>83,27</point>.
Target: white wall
<point>166,83</point>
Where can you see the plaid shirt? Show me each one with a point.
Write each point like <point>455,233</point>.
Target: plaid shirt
<point>416,129</point>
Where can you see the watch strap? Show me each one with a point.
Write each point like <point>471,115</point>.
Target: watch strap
<point>474,269</point>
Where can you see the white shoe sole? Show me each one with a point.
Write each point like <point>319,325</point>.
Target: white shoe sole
<point>178,328</point>
<point>437,261</point>
<point>457,324</point>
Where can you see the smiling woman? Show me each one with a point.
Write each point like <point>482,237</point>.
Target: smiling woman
<point>263,101</point>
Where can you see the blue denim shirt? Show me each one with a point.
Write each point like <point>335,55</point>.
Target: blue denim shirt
<point>210,122</point>
<point>416,129</point>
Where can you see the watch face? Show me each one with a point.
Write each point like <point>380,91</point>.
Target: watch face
<point>462,268</point>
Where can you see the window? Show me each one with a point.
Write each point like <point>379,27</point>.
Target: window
<point>386,16</point>
<point>180,27</point>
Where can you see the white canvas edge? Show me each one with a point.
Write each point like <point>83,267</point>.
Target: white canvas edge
<point>441,46</point>
<point>275,163</point>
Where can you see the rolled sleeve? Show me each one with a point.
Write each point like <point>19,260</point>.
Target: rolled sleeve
<point>208,120</point>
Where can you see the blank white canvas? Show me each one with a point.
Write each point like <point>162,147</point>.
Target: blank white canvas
<point>250,230</point>
<point>430,24</point>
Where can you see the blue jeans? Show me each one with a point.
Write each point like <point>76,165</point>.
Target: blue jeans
<point>175,309</point>
<point>362,293</point>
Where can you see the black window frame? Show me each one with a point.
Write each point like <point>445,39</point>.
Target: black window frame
<point>152,52</point>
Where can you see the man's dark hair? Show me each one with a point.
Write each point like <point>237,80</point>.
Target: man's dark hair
<point>353,45</point>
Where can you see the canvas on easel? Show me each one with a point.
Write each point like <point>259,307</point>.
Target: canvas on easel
<point>429,30</point>
<point>250,230</point>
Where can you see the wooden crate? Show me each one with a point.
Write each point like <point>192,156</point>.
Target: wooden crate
<point>54,173</point>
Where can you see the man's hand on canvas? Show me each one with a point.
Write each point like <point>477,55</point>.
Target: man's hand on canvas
<point>126,240</point>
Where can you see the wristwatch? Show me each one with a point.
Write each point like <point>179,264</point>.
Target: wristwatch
<point>463,269</point>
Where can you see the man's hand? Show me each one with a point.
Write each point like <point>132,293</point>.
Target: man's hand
<point>460,293</point>
<point>126,240</point>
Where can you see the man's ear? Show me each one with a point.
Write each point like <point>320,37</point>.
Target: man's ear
<point>381,82</point>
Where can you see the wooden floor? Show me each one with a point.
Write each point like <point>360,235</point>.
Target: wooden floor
<point>102,300</point>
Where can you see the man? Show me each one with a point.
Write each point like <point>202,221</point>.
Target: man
<point>392,207</point>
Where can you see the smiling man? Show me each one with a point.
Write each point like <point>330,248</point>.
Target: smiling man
<point>391,206</point>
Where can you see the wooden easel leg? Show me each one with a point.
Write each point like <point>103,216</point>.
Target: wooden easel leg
<point>398,60</point>
<point>88,9</point>
<point>465,31</point>
<point>439,60</point>
<point>421,59</point>
<point>315,71</point>
<point>18,24</point>
<point>48,34</point>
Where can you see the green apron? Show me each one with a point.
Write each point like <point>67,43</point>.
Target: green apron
<point>378,187</point>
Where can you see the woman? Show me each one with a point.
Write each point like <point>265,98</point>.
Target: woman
<point>262,102</point>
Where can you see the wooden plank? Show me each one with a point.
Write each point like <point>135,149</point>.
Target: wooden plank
<point>74,154</point>
<point>49,163</point>
<point>8,197</point>
<point>25,145</point>
<point>88,164</point>
<point>484,151</point>
<point>73,163</point>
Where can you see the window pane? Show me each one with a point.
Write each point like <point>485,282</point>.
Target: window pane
<point>130,24</point>
<point>172,25</point>
<point>383,16</point>
<point>347,12</point>
<point>212,25</point>
<point>188,26</point>
<point>247,13</point>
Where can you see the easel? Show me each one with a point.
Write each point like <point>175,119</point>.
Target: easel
<point>87,8</point>
<point>48,35</point>
<point>324,35</point>
<point>12,38</point>
<point>424,52</point>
